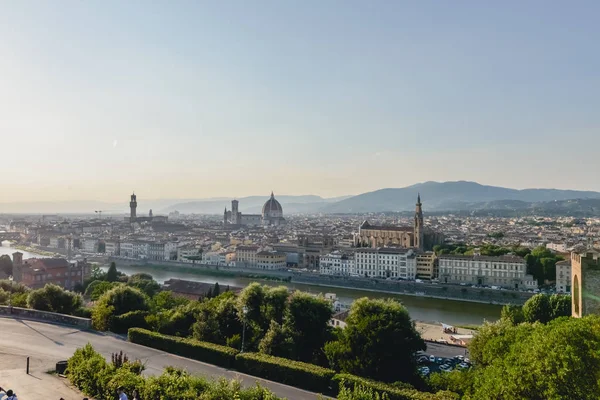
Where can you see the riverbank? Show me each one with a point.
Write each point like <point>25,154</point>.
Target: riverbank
<point>35,250</point>
<point>435,332</point>
<point>421,308</point>
<point>405,288</point>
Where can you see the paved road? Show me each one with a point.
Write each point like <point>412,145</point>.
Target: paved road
<point>445,351</point>
<point>46,344</point>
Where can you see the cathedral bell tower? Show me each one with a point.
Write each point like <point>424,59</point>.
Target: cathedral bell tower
<point>419,234</point>
<point>133,208</point>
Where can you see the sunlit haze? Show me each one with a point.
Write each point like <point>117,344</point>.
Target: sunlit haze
<point>194,99</point>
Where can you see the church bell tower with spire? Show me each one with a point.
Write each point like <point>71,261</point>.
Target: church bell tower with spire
<point>419,234</point>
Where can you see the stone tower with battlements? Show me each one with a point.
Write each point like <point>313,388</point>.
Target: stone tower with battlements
<point>133,208</point>
<point>585,283</point>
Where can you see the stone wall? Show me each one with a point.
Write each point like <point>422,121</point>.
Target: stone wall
<point>27,313</point>
<point>454,292</point>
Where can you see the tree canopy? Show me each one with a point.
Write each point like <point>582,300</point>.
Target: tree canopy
<point>55,299</point>
<point>557,360</point>
<point>378,342</point>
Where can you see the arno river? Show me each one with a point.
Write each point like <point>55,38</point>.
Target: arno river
<point>420,308</point>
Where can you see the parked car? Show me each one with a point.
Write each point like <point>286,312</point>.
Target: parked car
<point>432,359</point>
<point>445,368</point>
<point>424,371</point>
<point>440,360</point>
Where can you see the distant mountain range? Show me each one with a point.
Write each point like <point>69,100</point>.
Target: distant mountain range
<point>436,197</point>
<point>442,196</point>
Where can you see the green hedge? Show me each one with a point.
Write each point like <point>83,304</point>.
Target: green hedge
<point>133,319</point>
<point>202,351</point>
<point>393,392</point>
<point>293,373</point>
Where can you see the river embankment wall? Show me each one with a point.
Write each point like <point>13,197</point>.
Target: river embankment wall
<point>408,288</point>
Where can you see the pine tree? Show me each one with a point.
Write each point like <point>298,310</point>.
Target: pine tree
<point>216,290</point>
<point>112,275</point>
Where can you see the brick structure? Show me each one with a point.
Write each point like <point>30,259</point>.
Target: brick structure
<point>37,272</point>
<point>585,287</point>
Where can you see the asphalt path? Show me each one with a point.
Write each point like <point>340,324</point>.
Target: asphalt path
<point>47,344</point>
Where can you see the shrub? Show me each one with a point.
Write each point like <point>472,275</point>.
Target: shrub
<point>87,370</point>
<point>390,392</point>
<point>294,373</point>
<point>55,299</point>
<point>83,312</point>
<point>132,319</point>
<point>202,351</point>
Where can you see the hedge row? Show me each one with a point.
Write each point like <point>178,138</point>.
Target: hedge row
<point>202,351</point>
<point>293,373</point>
<point>392,391</point>
<point>133,319</point>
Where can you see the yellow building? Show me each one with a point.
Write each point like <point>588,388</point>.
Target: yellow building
<point>426,265</point>
<point>245,256</point>
<point>271,260</point>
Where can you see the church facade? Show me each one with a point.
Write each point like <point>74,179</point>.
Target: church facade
<point>416,236</point>
<point>272,215</point>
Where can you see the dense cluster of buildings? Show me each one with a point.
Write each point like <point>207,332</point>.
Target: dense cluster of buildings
<point>387,246</point>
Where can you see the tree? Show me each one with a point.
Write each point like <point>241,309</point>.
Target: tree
<point>537,309</point>
<point>145,283</point>
<point>253,299</point>
<point>276,301</point>
<point>96,289</point>
<point>55,299</point>
<point>118,301</point>
<point>378,342</point>
<point>125,299</point>
<point>6,265</point>
<point>276,341</point>
<point>307,319</point>
<point>560,305</point>
<point>165,300</point>
<point>112,274</point>
<point>512,313</point>
<point>216,290</point>
<point>558,360</point>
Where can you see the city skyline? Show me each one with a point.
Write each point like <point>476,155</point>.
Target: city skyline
<point>230,100</point>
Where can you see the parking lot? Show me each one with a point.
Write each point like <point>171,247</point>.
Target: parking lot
<point>430,362</point>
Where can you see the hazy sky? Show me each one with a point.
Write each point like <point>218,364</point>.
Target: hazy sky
<point>232,98</point>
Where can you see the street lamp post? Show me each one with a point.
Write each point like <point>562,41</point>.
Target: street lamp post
<point>10,278</point>
<point>245,311</point>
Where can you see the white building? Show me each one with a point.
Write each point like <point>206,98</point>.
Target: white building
<point>111,247</point>
<point>337,263</point>
<point>557,247</point>
<point>140,249</point>
<point>126,248</point>
<point>563,276</point>
<point>90,245</point>
<point>385,262</point>
<point>505,271</point>
<point>53,242</point>
<point>183,253</point>
<point>213,258</point>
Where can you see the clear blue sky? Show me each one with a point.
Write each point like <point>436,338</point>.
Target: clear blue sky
<point>195,99</point>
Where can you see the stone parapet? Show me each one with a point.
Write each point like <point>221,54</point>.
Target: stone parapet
<point>27,313</point>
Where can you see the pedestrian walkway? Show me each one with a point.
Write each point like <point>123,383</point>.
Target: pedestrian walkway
<point>38,385</point>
